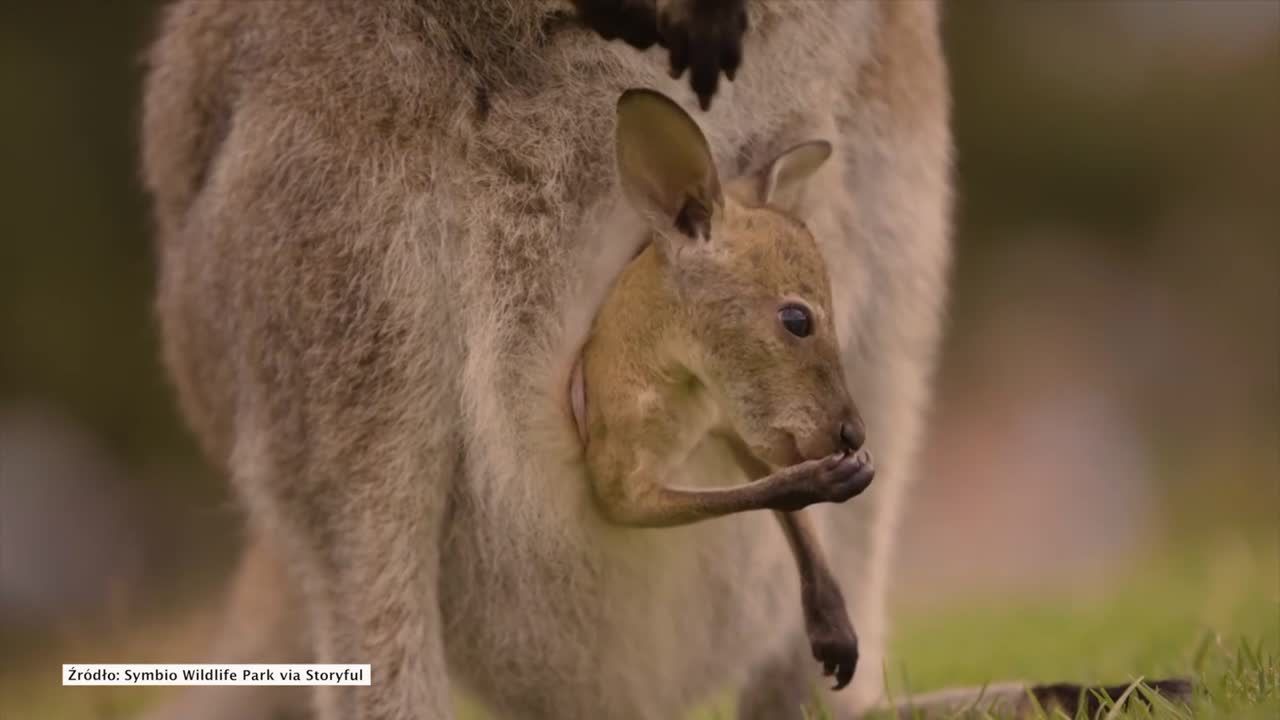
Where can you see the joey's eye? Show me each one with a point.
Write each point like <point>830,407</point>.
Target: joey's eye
<point>796,319</point>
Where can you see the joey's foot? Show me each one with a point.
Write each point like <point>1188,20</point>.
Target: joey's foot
<point>835,478</point>
<point>831,635</point>
<point>635,22</point>
<point>704,36</point>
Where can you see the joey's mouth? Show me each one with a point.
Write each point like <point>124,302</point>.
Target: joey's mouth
<point>862,460</point>
<point>782,450</point>
<point>787,452</point>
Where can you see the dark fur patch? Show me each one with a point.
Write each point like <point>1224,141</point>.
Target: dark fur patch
<point>632,21</point>
<point>1072,698</point>
<point>694,220</point>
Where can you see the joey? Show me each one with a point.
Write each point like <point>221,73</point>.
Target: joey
<point>721,327</point>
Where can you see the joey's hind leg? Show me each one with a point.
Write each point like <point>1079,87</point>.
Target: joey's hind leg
<point>826,619</point>
<point>788,685</point>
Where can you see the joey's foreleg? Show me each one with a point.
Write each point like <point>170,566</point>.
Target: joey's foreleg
<point>640,499</point>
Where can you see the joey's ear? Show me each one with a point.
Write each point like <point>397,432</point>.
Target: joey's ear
<point>782,182</point>
<point>665,164</point>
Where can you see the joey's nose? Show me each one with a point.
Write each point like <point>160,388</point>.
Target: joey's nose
<point>852,435</point>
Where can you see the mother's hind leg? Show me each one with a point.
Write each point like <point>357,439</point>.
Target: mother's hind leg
<point>262,624</point>
<point>784,688</point>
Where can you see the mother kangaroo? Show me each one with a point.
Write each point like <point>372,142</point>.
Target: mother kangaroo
<point>383,232</point>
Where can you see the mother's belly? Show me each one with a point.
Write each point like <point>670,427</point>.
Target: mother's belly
<point>648,618</point>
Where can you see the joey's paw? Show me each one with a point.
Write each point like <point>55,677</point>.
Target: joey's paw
<point>705,37</point>
<point>831,636</point>
<point>635,22</point>
<point>835,478</point>
<point>845,475</point>
<point>836,647</point>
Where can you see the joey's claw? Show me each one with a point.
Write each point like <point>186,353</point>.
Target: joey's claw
<point>830,633</point>
<point>838,655</point>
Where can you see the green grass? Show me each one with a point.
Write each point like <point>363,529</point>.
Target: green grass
<point>1210,612</point>
<point>1239,682</point>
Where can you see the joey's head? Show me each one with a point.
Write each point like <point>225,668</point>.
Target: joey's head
<point>751,290</point>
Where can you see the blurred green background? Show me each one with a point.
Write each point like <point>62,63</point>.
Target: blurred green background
<point>1103,466</point>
